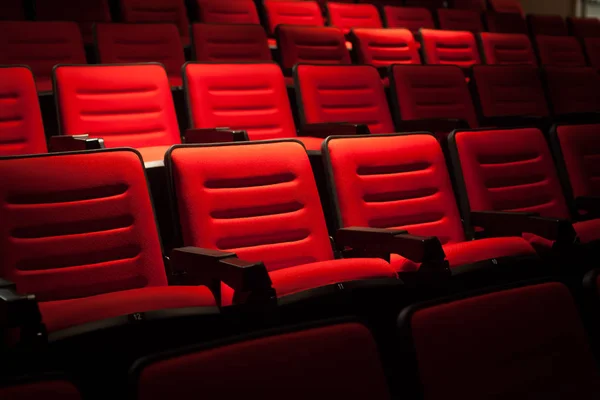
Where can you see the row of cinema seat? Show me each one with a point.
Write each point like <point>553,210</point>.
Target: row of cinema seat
<point>533,345</point>
<point>131,105</point>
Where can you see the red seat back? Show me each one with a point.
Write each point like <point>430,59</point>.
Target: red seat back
<point>78,224</point>
<point>509,90</point>
<point>252,97</point>
<point>460,20</point>
<point>86,14</point>
<point>21,127</point>
<point>158,11</point>
<point>41,45</point>
<point>384,47</point>
<point>230,43</point>
<point>436,91</point>
<point>505,23</point>
<point>258,200</point>
<point>304,13</point>
<point>131,43</point>
<point>506,6</point>
<point>348,16</point>
<point>592,50</point>
<point>551,25</point>
<point>560,51</point>
<point>449,47</point>
<point>509,170</point>
<point>573,89</point>
<point>411,18</point>
<point>352,93</point>
<point>126,105</point>
<point>506,48</point>
<point>322,45</point>
<point>477,5</point>
<point>227,12</point>
<point>396,182</point>
<point>584,27</point>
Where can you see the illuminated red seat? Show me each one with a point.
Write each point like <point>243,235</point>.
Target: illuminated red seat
<point>348,16</point>
<point>449,47</point>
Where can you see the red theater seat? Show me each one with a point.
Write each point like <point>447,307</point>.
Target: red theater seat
<point>230,43</point>
<point>506,6</point>
<point>532,345</point>
<point>21,127</point>
<point>269,363</point>
<point>259,200</point>
<point>584,27</point>
<point>352,93</point>
<point>401,182</point>
<point>449,47</point>
<point>348,16</point>
<point>85,13</point>
<point>509,90</point>
<point>384,47</point>
<point>432,92</point>
<point>227,12</point>
<point>506,49</point>
<point>411,18</point>
<point>505,23</point>
<point>460,20</point>
<point>560,51</point>
<point>41,45</point>
<point>138,43</point>
<point>12,10</point>
<point>158,11</point>
<point>303,13</point>
<point>573,90</point>
<point>251,97</point>
<point>86,246</point>
<point>513,170</point>
<point>592,50</point>
<point>126,105</point>
<point>551,25</point>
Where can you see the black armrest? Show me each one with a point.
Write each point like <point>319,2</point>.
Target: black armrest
<point>588,203</point>
<point>18,310</point>
<point>326,129</point>
<point>197,266</point>
<point>498,223</point>
<point>215,135</point>
<point>75,143</point>
<point>415,248</point>
<point>433,125</point>
<point>4,284</point>
<point>515,120</point>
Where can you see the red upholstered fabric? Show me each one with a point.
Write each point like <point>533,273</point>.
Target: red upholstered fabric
<point>460,20</point>
<point>592,49</point>
<point>384,47</point>
<point>506,6</point>
<point>510,170</point>
<point>449,47</point>
<point>227,12</point>
<point>314,45</point>
<point>133,43</point>
<point>477,5</point>
<point>21,127</point>
<point>11,10</point>
<point>560,51</point>
<point>86,14</point>
<point>411,18</point>
<point>507,48</point>
<point>348,16</point>
<point>580,147</point>
<point>509,90</point>
<point>588,231</point>
<point>584,27</point>
<point>127,105</point>
<point>339,360</point>
<point>352,94</point>
<point>230,43</point>
<point>66,313</point>
<point>573,89</point>
<point>55,389</point>
<point>305,13</point>
<point>520,343</point>
<point>437,91</point>
<point>252,97</point>
<point>51,42</point>
<point>552,25</point>
<point>158,11</point>
<point>506,23</point>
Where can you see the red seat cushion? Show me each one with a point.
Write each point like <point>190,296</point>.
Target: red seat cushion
<point>63,314</point>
